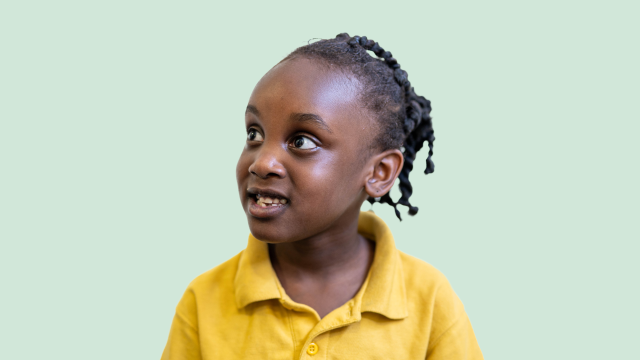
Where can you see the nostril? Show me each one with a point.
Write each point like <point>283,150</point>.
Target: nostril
<point>265,168</point>
<point>256,174</point>
<point>265,176</point>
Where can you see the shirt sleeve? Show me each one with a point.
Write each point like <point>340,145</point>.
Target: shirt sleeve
<point>457,343</point>
<point>184,342</point>
<point>452,337</point>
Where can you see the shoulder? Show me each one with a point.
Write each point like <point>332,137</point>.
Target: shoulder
<point>215,285</point>
<point>428,290</point>
<point>420,275</point>
<point>217,278</point>
<point>437,310</point>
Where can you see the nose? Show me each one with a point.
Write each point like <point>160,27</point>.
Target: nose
<point>266,163</point>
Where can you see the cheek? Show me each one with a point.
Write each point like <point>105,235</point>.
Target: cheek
<point>332,183</point>
<point>242,169</point>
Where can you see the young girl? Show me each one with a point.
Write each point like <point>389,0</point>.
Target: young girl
<point>328,127</point>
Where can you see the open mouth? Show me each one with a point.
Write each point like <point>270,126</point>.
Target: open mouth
<point>267,199</point>
<point>264,201</point>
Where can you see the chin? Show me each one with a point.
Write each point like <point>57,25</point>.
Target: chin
<point>269,231</point>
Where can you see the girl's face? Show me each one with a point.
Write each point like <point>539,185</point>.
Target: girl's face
<point>303,169</point>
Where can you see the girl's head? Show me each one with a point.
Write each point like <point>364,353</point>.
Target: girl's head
<point>329,127</point>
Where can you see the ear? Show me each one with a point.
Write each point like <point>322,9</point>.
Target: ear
<point>385,168</point>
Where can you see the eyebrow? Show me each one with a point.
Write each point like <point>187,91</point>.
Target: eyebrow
<point>310,118</point>
<point>252,109</point>
<point>297,117</point>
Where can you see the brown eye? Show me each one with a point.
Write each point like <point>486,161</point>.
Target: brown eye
<point>304,143</point>
<point>254,135</point>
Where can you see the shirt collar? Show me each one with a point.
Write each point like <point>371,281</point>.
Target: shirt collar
<point>384,294</point>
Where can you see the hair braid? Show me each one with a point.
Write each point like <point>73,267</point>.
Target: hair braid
<point>405,116</point>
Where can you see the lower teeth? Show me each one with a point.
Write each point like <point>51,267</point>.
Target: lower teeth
<point>267,205</point>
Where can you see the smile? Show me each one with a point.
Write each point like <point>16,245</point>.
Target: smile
<point>266,203</point>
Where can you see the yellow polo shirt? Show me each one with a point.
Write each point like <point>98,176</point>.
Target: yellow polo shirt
<point>405,309</point>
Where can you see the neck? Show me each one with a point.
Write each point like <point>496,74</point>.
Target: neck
<point>324,254</point>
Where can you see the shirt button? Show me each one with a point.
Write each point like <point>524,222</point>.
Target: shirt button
<point>312,349</point>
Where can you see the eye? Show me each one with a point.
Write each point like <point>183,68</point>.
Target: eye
<point>254,135</point>
<point>303,143</point>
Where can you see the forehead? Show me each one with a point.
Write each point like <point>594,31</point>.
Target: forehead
<point>306,86</point>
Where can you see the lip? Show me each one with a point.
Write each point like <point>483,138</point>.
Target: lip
<point>265,212</point>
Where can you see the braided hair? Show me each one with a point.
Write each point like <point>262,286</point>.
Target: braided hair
<point>403,116</point>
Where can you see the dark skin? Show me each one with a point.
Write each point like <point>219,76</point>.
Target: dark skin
<point>311,144</point>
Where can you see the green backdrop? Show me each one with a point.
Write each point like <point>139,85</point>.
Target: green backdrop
<point>121,123</point>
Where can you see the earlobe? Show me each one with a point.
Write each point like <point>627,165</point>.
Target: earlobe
<point>386,168</point>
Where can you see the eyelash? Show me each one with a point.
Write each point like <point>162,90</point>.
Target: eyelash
<point>298,136</point>
<point>304,137</point>
<point>249,130</point>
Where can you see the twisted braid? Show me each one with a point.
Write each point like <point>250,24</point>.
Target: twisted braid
<point>405,117</point>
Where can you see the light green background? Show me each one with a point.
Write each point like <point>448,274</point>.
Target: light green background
<point>121,123</point>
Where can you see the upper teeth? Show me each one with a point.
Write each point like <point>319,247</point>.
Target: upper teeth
<point>265,201</point>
